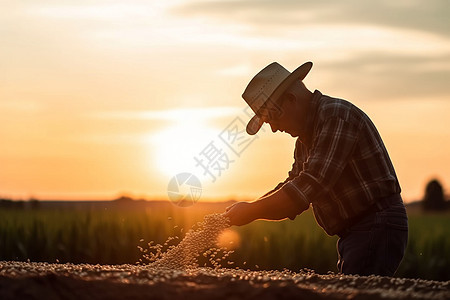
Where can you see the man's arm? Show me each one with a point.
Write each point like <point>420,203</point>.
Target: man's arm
<point>267,206</point>
<point>276,206</point>
<point>328,157</point>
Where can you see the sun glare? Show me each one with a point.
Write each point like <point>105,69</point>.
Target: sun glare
<point>175,147</point>
<point>229,239</point>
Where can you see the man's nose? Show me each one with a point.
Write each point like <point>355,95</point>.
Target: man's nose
<point>274,127</point>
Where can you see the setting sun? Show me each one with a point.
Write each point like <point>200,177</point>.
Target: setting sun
<point>190,130</point>
<point>177,145</point>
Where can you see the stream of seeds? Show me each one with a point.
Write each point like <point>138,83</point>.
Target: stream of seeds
<point>199,241</point>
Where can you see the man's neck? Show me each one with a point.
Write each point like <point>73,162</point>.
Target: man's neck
<point>304,111</point>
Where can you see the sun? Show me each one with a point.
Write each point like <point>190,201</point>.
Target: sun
<point>175,147</point>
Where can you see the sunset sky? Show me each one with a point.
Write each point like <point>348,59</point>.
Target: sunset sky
<point>103,98</point>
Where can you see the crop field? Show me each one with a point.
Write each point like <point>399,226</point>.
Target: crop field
<point>119,232</point>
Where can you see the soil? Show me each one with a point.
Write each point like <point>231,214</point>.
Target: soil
<point>21,280</point>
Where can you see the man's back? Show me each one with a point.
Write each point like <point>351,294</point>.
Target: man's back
<point>343,166</point>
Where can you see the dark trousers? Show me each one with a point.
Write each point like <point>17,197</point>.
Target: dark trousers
<point>375,244</point>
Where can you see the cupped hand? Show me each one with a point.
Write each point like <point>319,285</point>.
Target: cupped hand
<point>241,213</point>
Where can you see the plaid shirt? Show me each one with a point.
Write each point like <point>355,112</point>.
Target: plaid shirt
<point>342,167</point>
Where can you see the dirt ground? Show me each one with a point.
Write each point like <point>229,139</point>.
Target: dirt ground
<point>19,280</point>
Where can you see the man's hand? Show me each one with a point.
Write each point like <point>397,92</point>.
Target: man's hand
<point>241,213</point>
<point>276,206</point>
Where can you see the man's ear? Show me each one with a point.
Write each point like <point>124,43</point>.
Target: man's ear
<point>291,98</point>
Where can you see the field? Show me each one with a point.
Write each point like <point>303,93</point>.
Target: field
<point>19,280</point>
<point>110,233</point>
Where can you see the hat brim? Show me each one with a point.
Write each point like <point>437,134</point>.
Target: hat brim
<point>254,125</point>
<point>300,73</point>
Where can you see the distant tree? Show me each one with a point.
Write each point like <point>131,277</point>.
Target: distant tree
<point>124,199</point>
<point>6,203</point>
<point>434,196</point>
<point>34,203</point>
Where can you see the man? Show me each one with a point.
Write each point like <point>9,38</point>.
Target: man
<point>341,169</point>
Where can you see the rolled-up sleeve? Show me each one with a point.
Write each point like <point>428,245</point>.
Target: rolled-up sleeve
<point>328,156</point>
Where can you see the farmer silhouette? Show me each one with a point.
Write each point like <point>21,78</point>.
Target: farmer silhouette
<point>341,168</point>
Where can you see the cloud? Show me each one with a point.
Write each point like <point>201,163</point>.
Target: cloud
<point>236,70</point>
<point>367,49</point>
<point>169,115</point>
<point>98,12</point>
<point>270,16</point>
<point>21,105</point>
<point>391,76</point>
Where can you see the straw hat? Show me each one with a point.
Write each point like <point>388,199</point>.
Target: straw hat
<point>265,89</point>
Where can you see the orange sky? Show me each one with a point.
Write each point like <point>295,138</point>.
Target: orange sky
<point>102,98</point>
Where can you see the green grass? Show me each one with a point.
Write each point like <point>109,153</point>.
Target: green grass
<point>111,236</point>
<point>428,252</point>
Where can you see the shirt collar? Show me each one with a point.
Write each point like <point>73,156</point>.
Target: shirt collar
<point>311,116</point>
